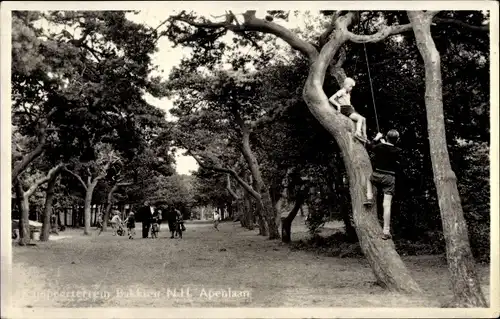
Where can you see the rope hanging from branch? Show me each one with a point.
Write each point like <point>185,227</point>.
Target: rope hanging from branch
<point>371,87</point>
<point>369,73</point>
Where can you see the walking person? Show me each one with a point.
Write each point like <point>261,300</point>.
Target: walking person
<point>171,217</point>
<point>130,222</point>
<point>146,215</point>
<point>179,223</point>
<point>115,222</point>
<point>216,220</point>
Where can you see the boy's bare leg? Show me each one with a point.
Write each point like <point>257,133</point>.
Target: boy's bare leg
<point>364,129</point>
<point>369,193</point>
<point>387,213</point>
<point>359,123</point>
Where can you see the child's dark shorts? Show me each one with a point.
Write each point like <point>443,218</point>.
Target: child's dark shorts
<point>385,181</point>
<point>347,110</point>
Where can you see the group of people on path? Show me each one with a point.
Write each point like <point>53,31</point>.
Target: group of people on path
<point>151,218</point>
<point>385,155</point>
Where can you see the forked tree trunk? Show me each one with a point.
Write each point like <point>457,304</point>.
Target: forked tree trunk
<point>385,262</point>
<point>286,223</point>
<point>465,283</point>
<point>22,198</point>
<point>47,211</point>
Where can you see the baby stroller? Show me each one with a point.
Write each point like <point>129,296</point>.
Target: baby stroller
<point>121,229</point>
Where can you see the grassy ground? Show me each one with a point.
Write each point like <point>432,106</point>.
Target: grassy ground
<point>199,270</point>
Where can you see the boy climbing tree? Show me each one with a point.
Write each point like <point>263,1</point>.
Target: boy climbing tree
<point>385,162</point>
<point>342,101</point>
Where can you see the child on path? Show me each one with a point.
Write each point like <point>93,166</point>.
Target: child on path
<point>342,100</point>
<point>179,220</point>
<point>386,161</point>
<point>216,220</point>
<point>130,222</point>
<point>115,222</point>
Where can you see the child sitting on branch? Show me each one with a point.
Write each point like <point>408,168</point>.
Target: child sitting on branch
<point>386,163</point>
<point>342,101</point>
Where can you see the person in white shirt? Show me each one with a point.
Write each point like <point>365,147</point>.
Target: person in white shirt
<point>342,100</point>
<point>115,222</point>
<point>216,220</point>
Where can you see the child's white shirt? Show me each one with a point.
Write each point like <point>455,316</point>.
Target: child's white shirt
<point>115,219</point>
<point>342,97</point>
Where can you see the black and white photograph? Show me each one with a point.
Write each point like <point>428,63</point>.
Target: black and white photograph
<point>249,159</point>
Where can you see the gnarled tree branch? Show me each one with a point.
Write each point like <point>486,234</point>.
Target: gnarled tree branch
<point>54,171</point>
<point>482,28</point>
<point>230,190</point>
<point>252,23</point>
<point>231,172</point>
<point>77,177</point>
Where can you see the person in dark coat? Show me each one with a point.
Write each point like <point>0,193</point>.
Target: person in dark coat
<point>146,214</point>
<point>171,217</point>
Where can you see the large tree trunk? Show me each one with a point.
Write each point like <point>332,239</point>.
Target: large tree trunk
<point>385,262</point>
<point>248,214</point>
<point>47,211</point>
<point>263,230</point>
<point>466,287</point>
<point>271,215</point>
<point>23,205</point>
<point>87,208</point>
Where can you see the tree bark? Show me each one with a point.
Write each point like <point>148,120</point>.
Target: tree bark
<point>47,212</point>
<point>286,223</point>
<point>88,205</point>
<point>385,262</point>
<point>109,203</point>
<point>23,204</point>
<point>22,198</point>
<point>248,216</point>
<point>465,283</point>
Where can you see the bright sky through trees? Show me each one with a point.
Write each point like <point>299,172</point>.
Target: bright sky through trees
<point>167,57</point>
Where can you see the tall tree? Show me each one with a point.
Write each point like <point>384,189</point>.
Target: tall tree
<point>22,197</point>
<point>385,262</point>
<point>73,86</point>
<point>90,173</point>
<point>48,208</point>
<point>465,283</point>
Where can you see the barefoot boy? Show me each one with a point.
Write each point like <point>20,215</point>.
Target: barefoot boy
<point>342,100</point>
<point>386,162</point>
